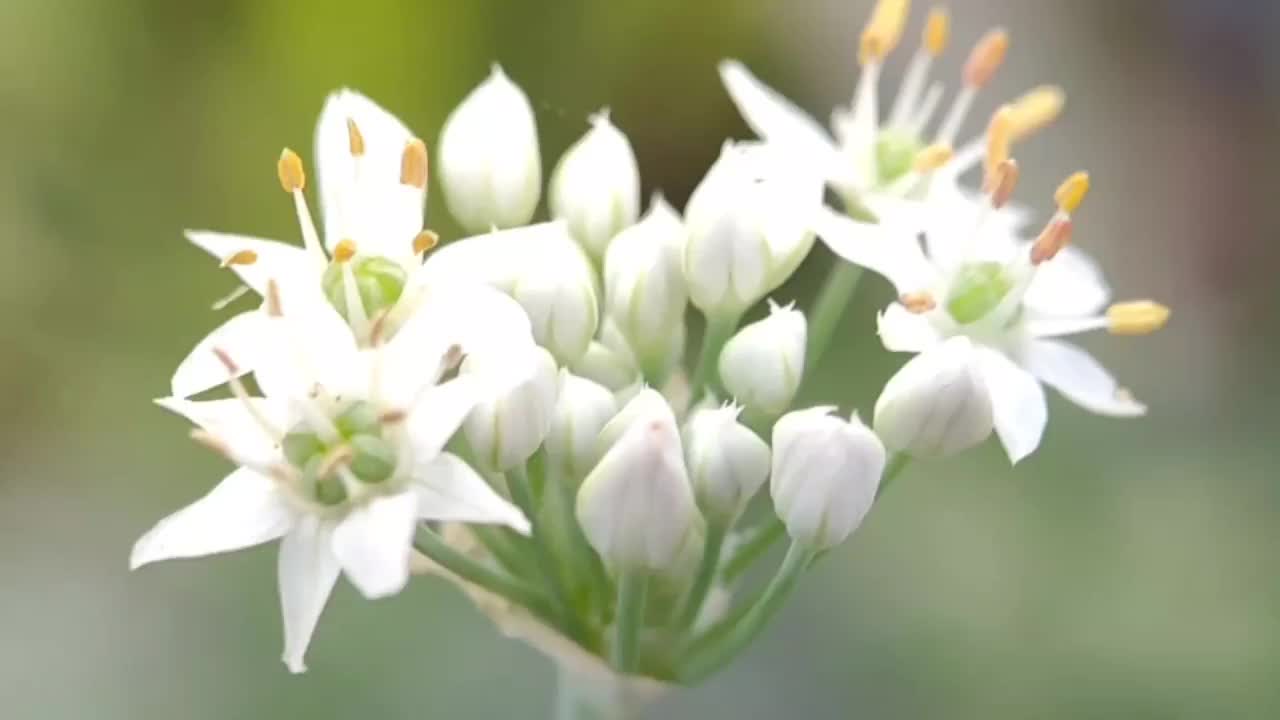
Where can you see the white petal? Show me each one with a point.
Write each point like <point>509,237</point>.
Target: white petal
<point>287,264</point>
<point>243,510</point>
<point>1081,379</point>
<point>449,489</point>
<point>1017,403</point>
<point>363,198</point>
<point>897,257</point>
<point>439,412</point>
<point>309,344</point>
<point>373,543</point>
<point>240,336</point>
<point>1070,284</point>
<point>232,423</point>
<point>306,572</point>
<point>904,331</point>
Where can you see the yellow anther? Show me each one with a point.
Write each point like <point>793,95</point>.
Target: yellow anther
<point>355,140</point>
<point>883,30</point>
<point>289,168</point>
<point>424,241</point>
<point>986,57</point>
<point>937,30</point>
<point>932,157</point>
<point>344,250</point>
<point>1140,317</point>
<point>1055,236</point>
<point>1004,180</point>
<point>240,257</point>
<point>918,303</point>
<point>1071,192</point>
<point>413,164</point>
<point>1036,109</point>
<point>999,140</point>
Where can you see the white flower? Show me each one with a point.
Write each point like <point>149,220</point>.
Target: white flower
<point>644,286</point>
<point>489,157</point>
<point>543,269</point>
<point>582,409</point>
<point>749,226</point>
<point>635,506</point>
<point>596,186</point>
<point>727,462</point>
<point>1010,298</point>
<point>610,366</point>
<point>825,474</point>
<point>761,366</point>
<point>373,179</point>
<point>340,459</point>
<point>872,156</point>
<point>509,423</point>
<point>937,404</point>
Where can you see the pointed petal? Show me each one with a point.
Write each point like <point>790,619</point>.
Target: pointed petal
<point>373,543</point>
<point>243,510</point>
<point>440,411</point>
<point>240,336</point>
<point>1017,403</point>
<point>306,573</point>
<point>903,331</point>
<point>309,344</point>
<point>288,264</point>
<point>897,257</point>
<point>450,490</point>
<point>1080,378</point>
<point>1070,284</point>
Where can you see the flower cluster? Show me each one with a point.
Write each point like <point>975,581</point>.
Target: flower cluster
<point>518,410</point>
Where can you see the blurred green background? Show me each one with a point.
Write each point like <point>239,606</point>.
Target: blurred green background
<point>1127,570</point>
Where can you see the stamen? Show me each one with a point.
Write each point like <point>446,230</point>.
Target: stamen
<point>1140,317</point>
<point>344,251</point>
<point>238,390</point>
<point>1072,192</point>
<point>289,169</point>
<point>986,58</point>
<point>937,30</point>
<point>355,141</point>
<point>1055,236</point>
<point>293,179</point>
<point>393,417</point>
<point>883,30</point>
<point>1036,109</point>
<point>336,458</point>
<point>918,303</point>
<point>357,317</point>
<point>1003,182</point>
<point>932,157</point>
<point>424,242</point>
<point>274,308</point>
<point>928,107</point>
<point>998,143</point>
<point>934,40</point>
<point>240,257</point>
<point>413,164</point>
<point>230,297</point>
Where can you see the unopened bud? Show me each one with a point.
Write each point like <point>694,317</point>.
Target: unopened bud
<point>582,409</point>
<point>937,404</point>
<point>727,462</point>
<point>506,428</point>
<point>596,186</point>
<point>762,365</point>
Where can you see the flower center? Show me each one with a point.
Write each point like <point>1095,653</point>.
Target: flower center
<point>359,449</point>
<point>896,151</point>
<point>379,283</point>
<point>976,290</point>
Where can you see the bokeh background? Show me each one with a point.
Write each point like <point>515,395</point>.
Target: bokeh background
<point>1127,570</point>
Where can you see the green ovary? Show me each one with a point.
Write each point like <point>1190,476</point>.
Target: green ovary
<point>372,460</point>
<point>379,283</point>
<point>977,290</point>
<point>896,152</point>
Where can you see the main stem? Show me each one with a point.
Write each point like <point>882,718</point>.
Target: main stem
<point>495,581</point>
<point>827,310</point>
<point>719,329</point>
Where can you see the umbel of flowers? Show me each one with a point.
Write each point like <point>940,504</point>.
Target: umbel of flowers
<point>520,413</point>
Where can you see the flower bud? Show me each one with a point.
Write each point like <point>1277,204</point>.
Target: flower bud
<point>581,411</point>
<point>749,227</point>
<point>489,160</point>
<point>561,305</point>
<point>727,462</point>
<point>761,366</point>
<point>507,427</point>
<point>644,285</point>
<point>937,404</point>
<point>596,186</point>
<point>635,506</point>
<point>825,474</point>
<point>606,366</point>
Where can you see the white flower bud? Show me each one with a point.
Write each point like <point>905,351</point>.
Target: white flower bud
<point>644,285</point>
<point>596,186</point>
<point>825,474</point>
<point>635,506</point>
<point>762,365</point>
<point>562,309</point>
<point>749,227</point>
<point>727,462</point>
<point>937,404</point>
<point>507,427</point>
<point>582,410</point>
<point>606,366</point>
<point>489,158</point>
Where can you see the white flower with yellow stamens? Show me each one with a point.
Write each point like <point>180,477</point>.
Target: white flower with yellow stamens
<point>1010,298</point>
<point>340,459</point>
<point>867,156</point>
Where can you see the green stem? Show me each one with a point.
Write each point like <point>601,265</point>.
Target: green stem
<point>706,576</point>
<point>760,539</point>
<point>704,659</point>
<point>719,329</point>
<point>827,310</point>
<point>509,555</point>
<point>897,462</point>
<point>633,586</point>
<point>430,543</point>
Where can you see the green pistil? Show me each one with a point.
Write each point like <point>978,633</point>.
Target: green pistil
<point>896,152</point>
<point>373,459</point>
<point>977,290</point>
<point>379,283</point>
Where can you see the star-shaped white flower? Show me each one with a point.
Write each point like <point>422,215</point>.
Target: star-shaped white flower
<point>1011,298</point>
<point>340,459</point>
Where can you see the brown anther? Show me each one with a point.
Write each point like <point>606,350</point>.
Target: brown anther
<point>225,358</point>
<point>344,250</point>
<point>937,29</point>
<point>918,303</point>
<point>933,157</point>
<point>1055,236</point>
<point>425,241</point>
<point>986,58</point>
<point>355,141</point>
<point>289,169</point>
<point>274,308</point>
<point>1003,182</point>
<point>413,164</point>
<point>240,257</point>
<point>392,417</point>
<point>452,357</point>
